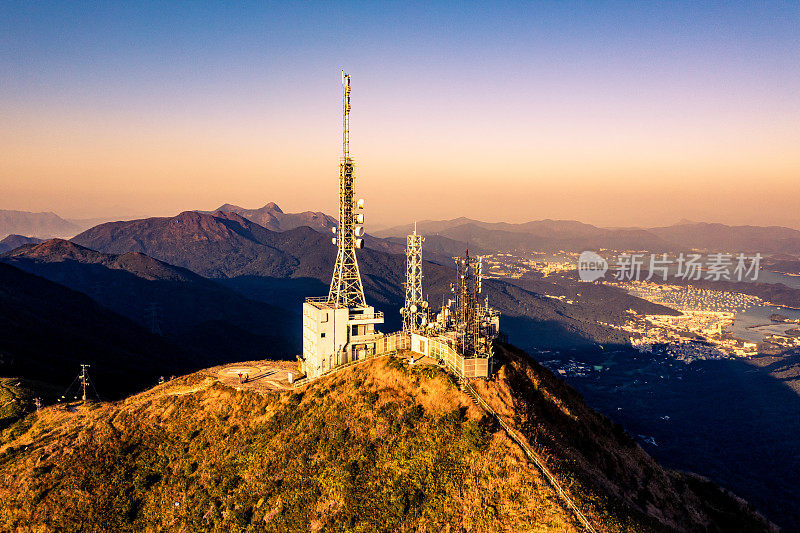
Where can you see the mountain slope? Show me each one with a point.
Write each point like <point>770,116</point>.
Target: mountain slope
<point>47,330</point>
<point>15,241</point>
<point>378,447</point>
<point>187,306</point>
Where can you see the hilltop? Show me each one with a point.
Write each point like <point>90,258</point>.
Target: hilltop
<point>381,446</point>
<point>15,241</point>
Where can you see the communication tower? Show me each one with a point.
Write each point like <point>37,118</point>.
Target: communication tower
<point>84,382</point>
<point>415,311</point>
<point>341,328</point>
<point>466,290</point>
<point>346,288</point>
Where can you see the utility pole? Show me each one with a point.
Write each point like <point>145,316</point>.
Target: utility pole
<point>155,327</point>
<point>84,380</point>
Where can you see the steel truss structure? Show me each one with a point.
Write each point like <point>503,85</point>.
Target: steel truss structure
<point>415,311</point>
<point>346,287</point>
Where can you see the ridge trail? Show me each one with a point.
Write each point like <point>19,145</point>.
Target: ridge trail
<point>565,498</point>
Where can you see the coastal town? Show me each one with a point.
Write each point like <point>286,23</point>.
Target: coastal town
<point>702,330</point>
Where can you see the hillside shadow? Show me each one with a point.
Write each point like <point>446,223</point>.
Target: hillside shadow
<point>288,293</point>
<point>725,419</point>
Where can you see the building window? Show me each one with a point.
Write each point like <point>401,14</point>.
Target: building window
<point>324,317</point>
<point>322,335</point>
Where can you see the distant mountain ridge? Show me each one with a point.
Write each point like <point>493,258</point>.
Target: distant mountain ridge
<point>42,225</point>
<point>570,235</point>
<point>282,268</point>
<point>218,245</point>
<point>273,218</point>
<point>46,225</point>
<point>15,241</point>
<point>446,236</point>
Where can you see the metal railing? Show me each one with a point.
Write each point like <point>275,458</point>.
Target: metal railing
<point>367,316</point>
<point>388,345</point>
<point>534,458</point>
<point>304,381</point>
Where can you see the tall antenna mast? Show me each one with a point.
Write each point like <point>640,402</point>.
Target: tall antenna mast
<point>346,287</point>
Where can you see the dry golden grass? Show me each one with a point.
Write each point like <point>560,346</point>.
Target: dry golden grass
<point>380,446</point>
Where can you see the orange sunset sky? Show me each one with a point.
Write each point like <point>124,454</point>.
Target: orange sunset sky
<point>617,115</point>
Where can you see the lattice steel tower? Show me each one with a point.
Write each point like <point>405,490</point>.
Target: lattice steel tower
<point>346,287</point>
<point>415,310</point>
<point>466,290</point>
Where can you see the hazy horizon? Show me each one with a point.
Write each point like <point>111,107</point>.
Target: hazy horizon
<point>616,115</point>
<point>373,227</point>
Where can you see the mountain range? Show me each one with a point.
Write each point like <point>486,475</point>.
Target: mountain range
<point>226,288</point>
<point>282,268</point>
<point>15,241</point>
<point>273,218</point>
<point>569,235</point>
<point>446,238</point>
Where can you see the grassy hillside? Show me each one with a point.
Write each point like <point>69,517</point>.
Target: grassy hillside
<point>378,447</point>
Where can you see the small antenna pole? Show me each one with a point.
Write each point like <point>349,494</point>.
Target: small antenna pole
<point>84,380</point>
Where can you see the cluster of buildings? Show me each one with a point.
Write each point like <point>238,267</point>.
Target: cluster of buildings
<point>700,332</point>
<point>693,335</point>
<point>341,328</point>
<point>689,298</point>
<point>507,265</point>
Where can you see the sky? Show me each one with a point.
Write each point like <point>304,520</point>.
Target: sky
<point>611,113</point>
